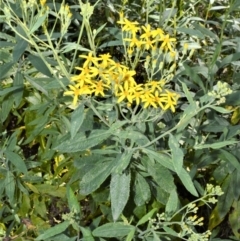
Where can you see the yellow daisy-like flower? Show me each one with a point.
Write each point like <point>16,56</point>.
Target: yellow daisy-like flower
<point>171,100</point>
<point>166,44</point>
<point>124,93</point>
<point>147,31</point>
<point>89,59</point>
<point>77,91</point>
<point>98,88</point>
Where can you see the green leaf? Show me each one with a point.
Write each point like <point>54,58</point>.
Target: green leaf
<point>36,85</point>
<point>95,177</point>
<point>7,105</point>
<point>77,118</point>
<point>19,49</point>
<point>234,219</point>
<point>231,158</point>
<point>130,235</point>
<point>123,162</point>
<point>177,154</point>
<point>52,190</point>
<point>38,63</point>
<point>81,142</point>
<point>57,229</point>
<point>119,193</point>
<point>187,182</point>
<point>172,203</point>
<point>194,76</point>
<point>72,201</point>
<point>161,158</point>
<point>10,187</point>
<point>5,68</point>
<point>18,94</point>
<point>113,230</point>
<point>87,234</point>
<point>162,176</point>
<point>17,161</point>
<point>220,109</point>
<point>146,217</point>
<point>40,19</point>
<point>9,90</point>
<point>216,145</point>
<point>142,190</point>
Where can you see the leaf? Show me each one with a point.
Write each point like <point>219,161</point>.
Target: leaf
<point>81,143</point>
<point>234,219</point>
<point>231,158</point>
<point>18,82</point>
<point>36,85</point>
<point>172,203</point>
<point>9,90</point>
<point>216,145</point>
<point>52,190</point>
<point>123,162</point>
<point>72,201</point>
<point>19,49</point>
<point>146,217</point>
<point>5,68</point>
<point>7,105</point>
<point>87,234</point>
<point>38,63</point>
<point>17,161</point>
<point>57,229</point>
<point>113,230</point>
<point>142,190</point>
<point>161,158</point>
<point>95,177</point>
<point>119,193</point>
<point>10,186</point>
<point>40,19</point>
<point>220,109</point>
<point>77,119</point>
<point>162,176</point>
<point>177,154</point>
<point>187,182</point>
<point>194,76</point>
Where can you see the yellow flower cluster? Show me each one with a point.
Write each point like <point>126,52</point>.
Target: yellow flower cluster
<point>102,75</point>
<point>149,39</point>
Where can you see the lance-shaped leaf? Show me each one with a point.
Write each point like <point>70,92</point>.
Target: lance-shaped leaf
<point>177,154</point>
<point>119,192</point>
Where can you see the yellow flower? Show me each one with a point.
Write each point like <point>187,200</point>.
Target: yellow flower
<point>149,43</point>
<point>157,33</point>
<point>77,91</point>
<point>166,44</point>
<point>149,100</point>
<point>128,25</point>
<point>137,93</point>
<point>159,100</point>
<point>98,88</point>
<point>106,59</point>
<point>127,78</point>
<point>147,31</point>
<point>134,41</point>
<point>156,85</point>
<point>81,79</point>
<point>85,70</point>
<point>43,2</point>
<point>171,100</point>
<point>125,93</point>
<point>89,59</point>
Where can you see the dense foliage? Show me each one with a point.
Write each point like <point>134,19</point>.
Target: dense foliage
<point>119,120</point>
